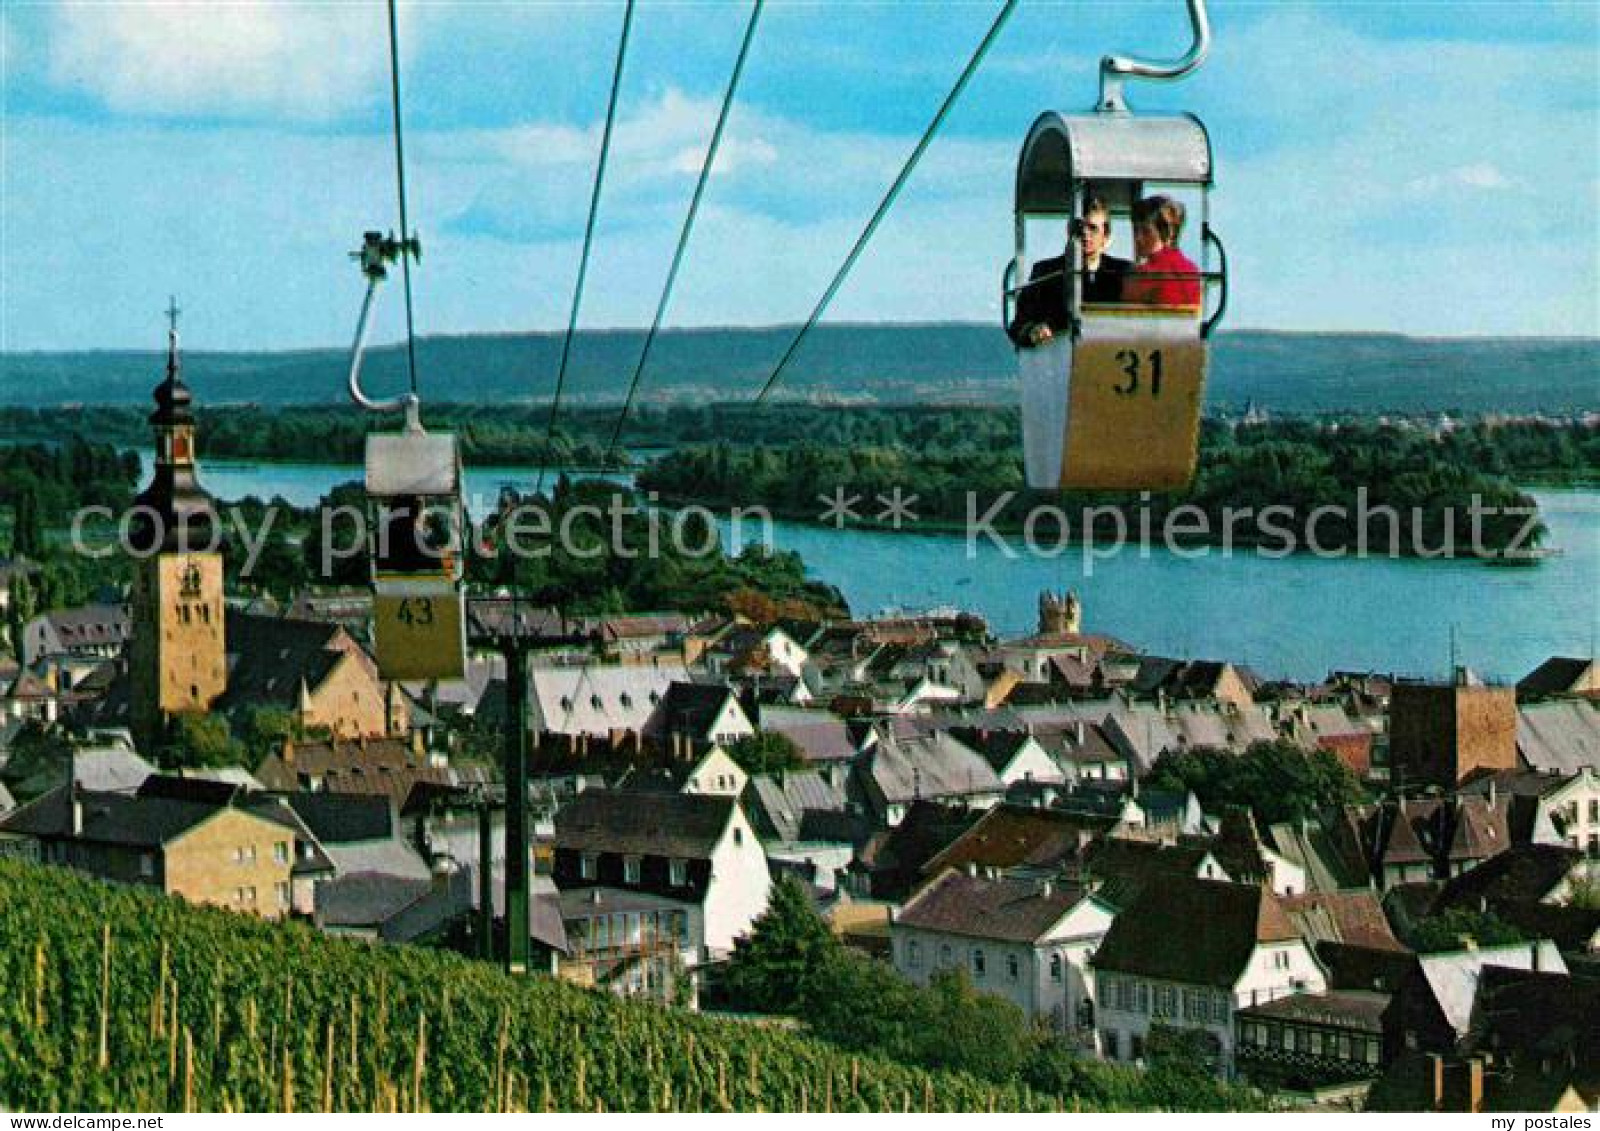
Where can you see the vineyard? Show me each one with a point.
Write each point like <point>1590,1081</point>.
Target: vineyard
<point>117,999</point>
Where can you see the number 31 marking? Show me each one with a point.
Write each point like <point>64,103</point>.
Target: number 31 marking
<point>1132,363</point>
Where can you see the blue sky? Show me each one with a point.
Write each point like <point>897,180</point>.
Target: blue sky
<point>1431,168</point>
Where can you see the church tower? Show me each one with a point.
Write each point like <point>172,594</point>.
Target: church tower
<point>177,656</point>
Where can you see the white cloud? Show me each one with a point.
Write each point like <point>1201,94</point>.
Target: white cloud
<point>1479,177</point>
<point>242,59</point>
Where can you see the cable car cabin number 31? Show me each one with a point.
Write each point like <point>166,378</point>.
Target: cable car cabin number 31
<point>1112,352</point>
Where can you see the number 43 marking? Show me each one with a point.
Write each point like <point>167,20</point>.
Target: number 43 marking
<point>1133,364</point>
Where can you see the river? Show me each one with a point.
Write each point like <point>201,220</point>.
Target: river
<point>1297,617</point>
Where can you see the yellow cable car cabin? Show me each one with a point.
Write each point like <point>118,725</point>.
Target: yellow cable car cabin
<point>414,539</point>
<point>1112,333</point>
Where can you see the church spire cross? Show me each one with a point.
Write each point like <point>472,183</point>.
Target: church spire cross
<point>172,313</point>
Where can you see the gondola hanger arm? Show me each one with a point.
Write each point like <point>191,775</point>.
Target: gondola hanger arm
<point>1115,68</point>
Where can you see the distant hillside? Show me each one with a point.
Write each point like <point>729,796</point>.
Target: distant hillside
<point>941,363</point>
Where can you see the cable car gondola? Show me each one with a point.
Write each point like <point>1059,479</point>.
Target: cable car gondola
<point>414,518</point>
<point>1112,401</point>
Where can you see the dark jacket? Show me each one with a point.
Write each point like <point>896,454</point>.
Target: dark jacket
<point>1044,299</point>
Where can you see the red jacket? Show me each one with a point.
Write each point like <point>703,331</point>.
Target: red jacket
<point>1159,291</point>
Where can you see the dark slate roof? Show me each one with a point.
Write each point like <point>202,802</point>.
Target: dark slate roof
<point>1344,1010</point>
<point>1521,875</point>
<point>1218,924</point>
<point>341,818</point>
<point>644,824</point>
<point>203,790</point>
<point>91,625</point>
<point>1013,836</point>
<point>109,818</point>
<point>269,658</point>
<point>1126,869</point>
<point>1556,676</point>
<point>1009,910</point>
<point>996,747</point>
<point>693,707</point>
<point>383,766</point>
<point>399,909</point>
<point>1542,1015</point>
<point>1352,967</point>
<point>896,857</point>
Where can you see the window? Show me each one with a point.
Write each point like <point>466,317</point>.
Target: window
<point>1594,812</point>
<point>1280,960</point>
<point>678,873</point>
<point>738,835</point>
<point>1372,1052</point>
<point>147,863</point>
<point>588,865</point>
<point>1055,967</point>
<point>1013,967</point>
<point>1110,1043</point>
<point>1219,1007</point>
<point>1274,1037</point>
<point>632,869</point>
<point>280,852</point>
<point>1135,1047</point>
<point>1142,996</point>
<point>1316,1044</point>
<point>980,962</point>
<point>913,954</point>
<point>1166,1001</point>
<point>1344,1046</point>
<point>282,889</point>
<point>946,955</point>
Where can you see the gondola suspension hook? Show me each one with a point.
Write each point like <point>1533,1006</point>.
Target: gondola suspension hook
<point>376,253</point>
<point>1115,68</point>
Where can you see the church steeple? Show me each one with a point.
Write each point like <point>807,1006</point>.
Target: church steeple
<point>174,514</point>
<point>177,658</point>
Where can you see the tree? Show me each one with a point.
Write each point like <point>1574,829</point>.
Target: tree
<point>766,752</point>
<point>772,966</point>
<point>201,741</point>
<point>1453,929</point>
<point>1278,781</point>
<point>27,537</point>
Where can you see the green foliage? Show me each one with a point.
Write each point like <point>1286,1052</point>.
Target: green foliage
<point>766,752</point>
<point>238,1014</point>
<point>1448,930</point>
<point>770,966</point>
<point>40,755</point>
<point>1365,469</point>
<point>793,964</point>
<point>263,729</point>
<point>1584,891</point>
<point>1278,781</point>
<point>200,740</point>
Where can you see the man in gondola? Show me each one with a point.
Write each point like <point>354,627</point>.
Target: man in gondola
<point>1042,304</point>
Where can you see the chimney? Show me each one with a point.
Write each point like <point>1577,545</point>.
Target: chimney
<point>1436,1063</point>
<point>287,753</point>
<point>77,807</point>
<point>1533,949</point>
<point>1475,1085</point>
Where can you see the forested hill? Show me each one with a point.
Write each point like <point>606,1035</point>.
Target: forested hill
<point>936,363</point>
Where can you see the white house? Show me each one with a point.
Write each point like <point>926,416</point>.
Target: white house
<point>701,713</point>
<point>1029,941</point>
<point>696,852</point>
<point>716,773</point>
<point>1187,953</point>
<point>1015,756</point>
<point>598,700</point>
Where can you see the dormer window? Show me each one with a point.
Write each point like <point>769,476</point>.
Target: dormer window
<point>594,701</point>
<point>632,869</point>
<point>626,700</point>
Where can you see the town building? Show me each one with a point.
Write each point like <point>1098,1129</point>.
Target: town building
<point>1238,949</point>
<point>1028,941</point>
